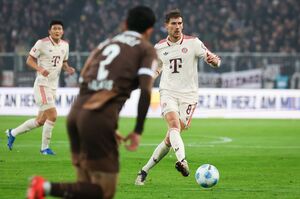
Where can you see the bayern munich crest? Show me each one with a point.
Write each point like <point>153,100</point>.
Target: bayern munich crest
<point>184,50</point>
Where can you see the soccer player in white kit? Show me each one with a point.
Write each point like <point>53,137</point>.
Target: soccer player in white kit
<point>48,56</point>
<point>178,55</point>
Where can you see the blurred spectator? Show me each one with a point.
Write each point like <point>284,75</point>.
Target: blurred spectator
<point>227,26</point>
<point>282,79</point>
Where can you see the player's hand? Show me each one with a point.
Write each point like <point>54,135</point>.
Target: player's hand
<point>213,59</point>
<point>70,70</point>
<point>132,141</point>
<point>119,137</point>
<point>43,71</point>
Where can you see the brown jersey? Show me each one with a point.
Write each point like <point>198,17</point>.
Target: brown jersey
<point>112,70</point>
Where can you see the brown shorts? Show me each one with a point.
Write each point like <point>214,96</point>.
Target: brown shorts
<point>92,136</point>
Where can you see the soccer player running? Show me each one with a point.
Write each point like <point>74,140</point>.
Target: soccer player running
<point>115,68</point>
<point>48,56</point>
<point>178,57</point>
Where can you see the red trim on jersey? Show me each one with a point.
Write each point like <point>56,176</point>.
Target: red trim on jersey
<point>64,41</point>
<point>162,41</point>
<point>188,123</point>
<point>43,94</point>
<point>182,39</point>
<point>188,37</point>
<point>45,39</point>
<point>176,41</point>
<point>51,41</point>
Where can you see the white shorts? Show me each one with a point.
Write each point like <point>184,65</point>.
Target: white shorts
<point>44,97</point>
<point>182,105</point>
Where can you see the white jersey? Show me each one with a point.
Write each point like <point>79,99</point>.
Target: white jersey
<point>50,56</point>
<point>179,64</point>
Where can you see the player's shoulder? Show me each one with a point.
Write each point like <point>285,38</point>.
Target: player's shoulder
<point>40,43</point>
<point>192,41</point>
<point>45,39</point>
<point>189,38</point>
<point>64,41</point>
<point>162,43</point>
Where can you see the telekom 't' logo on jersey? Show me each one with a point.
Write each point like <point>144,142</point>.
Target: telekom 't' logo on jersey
<point>175,64</point>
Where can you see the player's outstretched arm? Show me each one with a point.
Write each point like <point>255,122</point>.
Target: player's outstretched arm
<point>212,59</point>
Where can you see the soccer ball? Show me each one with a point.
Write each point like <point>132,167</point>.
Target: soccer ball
<point>207,175</point>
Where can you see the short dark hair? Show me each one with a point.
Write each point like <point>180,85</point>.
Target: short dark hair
<point>55,22</point>
<point>140,18</point>
<point>173,14</point>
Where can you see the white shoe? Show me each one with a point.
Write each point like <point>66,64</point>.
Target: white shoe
<point>183,167</point>
<point>141,178</point>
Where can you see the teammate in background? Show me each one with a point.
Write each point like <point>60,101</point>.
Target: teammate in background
<point>178,57</point>
<point>115,68</point>
<point>48,56</point>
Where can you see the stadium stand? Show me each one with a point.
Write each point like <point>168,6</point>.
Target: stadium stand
<point>242,30</point>
<point>225,26</point>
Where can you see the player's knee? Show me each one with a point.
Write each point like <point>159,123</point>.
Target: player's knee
<point>52,119</point>
<point>167,141</point>
<point>40,122</point>
<point>174,124</point>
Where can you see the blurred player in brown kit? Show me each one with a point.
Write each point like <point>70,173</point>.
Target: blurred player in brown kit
<point>115,68</point>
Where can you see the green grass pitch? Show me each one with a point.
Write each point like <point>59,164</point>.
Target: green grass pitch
<point>255,158</point>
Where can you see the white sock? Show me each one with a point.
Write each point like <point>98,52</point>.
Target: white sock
<point>161,151</point>
<point>47,133</point>
<point>47,187</point>
<point>26,126</point>
<point>177,143</point>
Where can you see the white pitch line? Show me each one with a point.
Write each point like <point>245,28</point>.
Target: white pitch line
<point>218,142</point>
<point>228,146</point>
<point>192,145</point>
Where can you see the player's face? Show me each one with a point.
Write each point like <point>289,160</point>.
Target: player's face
<point>56,32</point>
<point>174,28</point>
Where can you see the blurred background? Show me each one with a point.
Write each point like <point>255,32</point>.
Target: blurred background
<point>258,40</point>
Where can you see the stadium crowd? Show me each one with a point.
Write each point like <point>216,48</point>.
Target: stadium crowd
<point>225,26</point>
